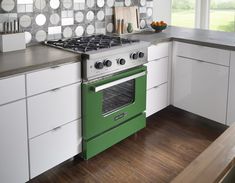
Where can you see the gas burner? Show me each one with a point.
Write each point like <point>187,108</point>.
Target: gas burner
<point>90,43</point>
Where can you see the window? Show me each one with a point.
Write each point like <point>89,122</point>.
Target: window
<point>222,15</point>
<point>207,14</point>
<point>183,13</point>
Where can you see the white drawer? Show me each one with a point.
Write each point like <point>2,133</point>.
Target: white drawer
<point>12,89</point>
<point>55,77</point>
<point>158,51</point>
<point>54,147</point>
<point>54,108</point>
<point>157,99</point>
<point>157,72</point>
<point>204,53</point>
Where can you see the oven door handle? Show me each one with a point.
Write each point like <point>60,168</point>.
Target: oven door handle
<point>123,80</point>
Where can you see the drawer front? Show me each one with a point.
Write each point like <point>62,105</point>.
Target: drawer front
<point>157,72</point>
<point>207,54</point>
<point>157,99</point>
<point>54,147</point>
<point>12,89</point>
<point>48,79</point>
<point>54,108</point>
<point>158,51</point>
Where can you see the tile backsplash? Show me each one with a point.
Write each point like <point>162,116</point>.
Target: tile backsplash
<point>55,19</point>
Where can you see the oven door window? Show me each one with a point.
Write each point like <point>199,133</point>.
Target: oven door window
<point>118,96</point>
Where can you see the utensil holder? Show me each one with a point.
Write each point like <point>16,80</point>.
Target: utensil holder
<point>12,42</point>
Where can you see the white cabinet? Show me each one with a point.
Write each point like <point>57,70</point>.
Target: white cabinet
<point>50,100</point>
<point>204,53</point>
<point>231,96</point>
<point>54,116</point>
<point>157,72</point>
<point>12,89</point>
<point>158,51</point>
<point>13,142</point>
<point>55,77</point>
<point>201,88</point>
<point>156,99</point>
<point>54,108</point>
<point>157,78</point>
<point>54,147</point>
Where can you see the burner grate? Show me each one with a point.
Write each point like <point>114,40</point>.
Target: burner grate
<point>90,43</point>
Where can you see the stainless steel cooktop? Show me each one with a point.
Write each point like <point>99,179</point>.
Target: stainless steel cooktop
<point>104,55</point>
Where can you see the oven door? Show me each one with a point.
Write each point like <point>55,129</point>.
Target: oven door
<point>109,102</point>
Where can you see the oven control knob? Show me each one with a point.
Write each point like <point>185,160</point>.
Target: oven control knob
<point>134,56</point>
<point>107,63</point>
<point>122,61</point>
<point>99,65</point>
<point>141,54</point>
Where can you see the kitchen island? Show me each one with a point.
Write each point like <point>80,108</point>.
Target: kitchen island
<point>215,164</point>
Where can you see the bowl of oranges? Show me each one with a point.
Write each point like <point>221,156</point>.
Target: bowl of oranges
<point>158,26</point>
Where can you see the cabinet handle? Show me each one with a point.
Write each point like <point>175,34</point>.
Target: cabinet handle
<point>200,61</point>
<point>57,128</point>
<point>55,67</point>
<point>55,90</point>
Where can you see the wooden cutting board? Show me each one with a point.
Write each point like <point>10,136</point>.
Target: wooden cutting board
<point>129,15</point>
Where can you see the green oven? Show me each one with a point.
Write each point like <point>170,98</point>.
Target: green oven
<point>113,109</point>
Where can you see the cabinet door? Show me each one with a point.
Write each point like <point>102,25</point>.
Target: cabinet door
<point>13,143</point>
<point>231,99</point>
<point>201,88</point>
<point>54,108</point>
<point>157,72</point>
<point>157,99</point>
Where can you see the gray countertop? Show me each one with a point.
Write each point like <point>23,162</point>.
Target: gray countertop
<point>217,39</point>
<point>40,56</point>
<point>32,58</point>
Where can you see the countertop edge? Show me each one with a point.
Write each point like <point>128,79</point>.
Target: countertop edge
<point>36,67</point>
<point>212,164</point>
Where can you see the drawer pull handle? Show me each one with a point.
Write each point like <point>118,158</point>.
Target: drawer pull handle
<point>55,90</point>
<point>200,61</point>
<point>55,67</point>
<point>57,128</point>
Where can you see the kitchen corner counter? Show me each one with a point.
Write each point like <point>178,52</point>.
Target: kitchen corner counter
<point>32,58</point>
<point>217,39</point>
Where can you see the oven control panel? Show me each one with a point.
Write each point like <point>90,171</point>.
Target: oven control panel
<point>115,63</point>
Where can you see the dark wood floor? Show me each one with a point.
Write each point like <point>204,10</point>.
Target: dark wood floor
<point>173,138</point>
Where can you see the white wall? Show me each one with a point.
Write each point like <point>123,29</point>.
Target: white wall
<point>162,10</point>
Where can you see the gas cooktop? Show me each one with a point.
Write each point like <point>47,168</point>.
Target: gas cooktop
<point>90,43</point>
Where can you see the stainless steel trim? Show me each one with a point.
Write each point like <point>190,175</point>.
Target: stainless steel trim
<point>108,85</point>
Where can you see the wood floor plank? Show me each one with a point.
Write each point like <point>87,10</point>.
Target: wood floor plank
<point>172,139</point>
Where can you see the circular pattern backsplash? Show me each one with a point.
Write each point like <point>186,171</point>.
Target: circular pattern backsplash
<point>55,19</point>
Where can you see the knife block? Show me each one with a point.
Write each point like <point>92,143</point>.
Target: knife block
<point>12,42</point>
